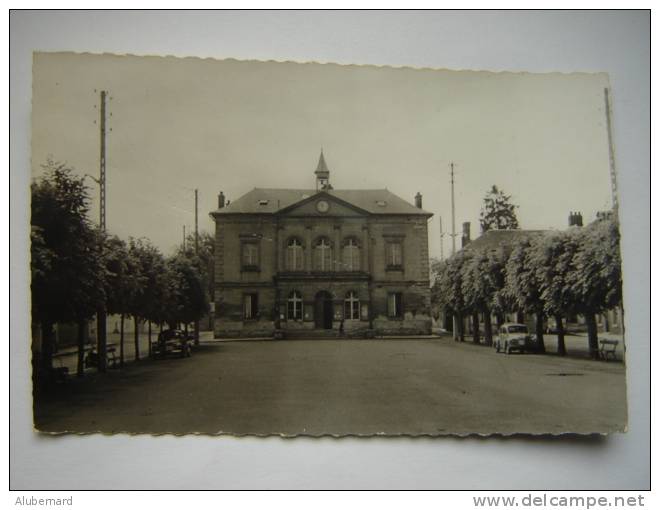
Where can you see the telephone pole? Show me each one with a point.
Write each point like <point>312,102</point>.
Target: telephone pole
<point>184,239</point>
<point>196,332</point>
<point>453,212</point>
<point>101,336</point>
<point>442,241</point>
<point>196,223</point>
<point>615,199</point>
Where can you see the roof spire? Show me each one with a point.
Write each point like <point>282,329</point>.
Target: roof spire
<point>322,174</point>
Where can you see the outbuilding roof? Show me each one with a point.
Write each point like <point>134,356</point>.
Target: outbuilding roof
<point>495,239</point>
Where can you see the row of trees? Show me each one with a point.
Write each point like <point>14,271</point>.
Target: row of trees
<point>556,274</point>
<point>78,271</point>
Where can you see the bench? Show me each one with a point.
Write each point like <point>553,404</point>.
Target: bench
<point>112,361</point>
<point>111,358</point>
<point>608,349</point>
<point>60,373</point>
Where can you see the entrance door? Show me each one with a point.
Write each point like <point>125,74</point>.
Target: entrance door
<point>323,310</point>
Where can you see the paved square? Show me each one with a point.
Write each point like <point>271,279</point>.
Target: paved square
<point>339,387</point>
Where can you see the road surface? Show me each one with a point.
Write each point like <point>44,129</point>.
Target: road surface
<point>339,387</point>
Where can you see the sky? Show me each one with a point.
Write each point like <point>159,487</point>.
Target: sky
<point>179,124</point>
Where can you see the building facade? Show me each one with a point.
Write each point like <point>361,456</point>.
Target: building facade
<point>321,259</point>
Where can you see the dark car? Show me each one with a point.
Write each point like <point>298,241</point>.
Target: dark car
<point>172,342</point>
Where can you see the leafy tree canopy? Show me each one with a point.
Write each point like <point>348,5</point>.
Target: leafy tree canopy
<point>498,213</point>
<point>66,266</point>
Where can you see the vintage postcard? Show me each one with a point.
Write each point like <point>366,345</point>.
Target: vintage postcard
<point>280,248</point>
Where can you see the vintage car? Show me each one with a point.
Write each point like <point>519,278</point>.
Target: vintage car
<point>513,337</point>
<point>172,342</point>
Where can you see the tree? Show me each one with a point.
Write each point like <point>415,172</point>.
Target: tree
<point>448,291</point>
<point>203,260</point>
<point>596,279</point>
<point>553,259</point>
<point>482,280</point>
<point>119,283</point>
<point>523,286</point>
<point>498,212</point>
<point>189,301</point>
<point>66,263</point>
<point>141,258</point>
<point>151,285</point>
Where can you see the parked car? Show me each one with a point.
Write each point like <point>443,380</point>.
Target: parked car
<point>513,337</point>
<point>172,341</point>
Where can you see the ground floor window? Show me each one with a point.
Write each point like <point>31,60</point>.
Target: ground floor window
<point>294,306</point>
<point>250,306</point>
<point>351,306</point>
<point>395,304</point>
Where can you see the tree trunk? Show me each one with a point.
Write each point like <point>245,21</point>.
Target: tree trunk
<point>136,330</point>
<point>539,331</point>
<point>592,334</point>
<point>149,336</point>
<point>121,341</point>
<point>520,317</point>
<point>454,326</point>
<point>561,344</point>
<point>81,348</point>
<point>499,318</point>
<point>196,332</point>
<point>47,335</point>
<point>475,328</point>
<point>461,328</point>
<point>488,328</point>
<point>101,340</point>
<point>185,330</point>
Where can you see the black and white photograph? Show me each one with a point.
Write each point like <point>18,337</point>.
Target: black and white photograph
<point>244,247</point>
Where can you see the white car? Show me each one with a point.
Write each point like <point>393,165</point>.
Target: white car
<point>512,337</point>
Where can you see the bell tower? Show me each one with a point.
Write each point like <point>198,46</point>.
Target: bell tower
<point>322,174</point>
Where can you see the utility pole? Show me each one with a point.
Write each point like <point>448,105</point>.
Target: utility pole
<point>615,199</point>
<point>196,332</point>
<point>453,243</point>
<point>442,241</point>
<point>196,224</point>
<point>184,239</point>
<point>453,212</point>
<point>101,333</point>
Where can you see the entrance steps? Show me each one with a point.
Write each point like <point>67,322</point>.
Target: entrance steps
<point>297,334</point>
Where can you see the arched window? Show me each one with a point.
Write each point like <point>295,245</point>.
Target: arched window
<point>351,255</point>
<point>294,306</point>
<point>323,255</point>
<point>351,306</point>
<point>294,255</point>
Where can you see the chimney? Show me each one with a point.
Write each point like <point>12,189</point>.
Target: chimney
<point>575,219</point>
<point>221,200</point>
<point>465,238</point>
<point>418,200</point>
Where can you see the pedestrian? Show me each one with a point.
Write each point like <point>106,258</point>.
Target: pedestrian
<point>341,328</point>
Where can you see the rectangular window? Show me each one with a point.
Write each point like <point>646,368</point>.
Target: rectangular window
<point>394,255</point>
<point>395,304</point>
<point>352,310</point>
<point>250,306</point>
<point>250,256</point>
<point>294,309</point>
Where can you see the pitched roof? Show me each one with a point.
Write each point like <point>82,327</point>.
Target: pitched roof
<point>374,201</point>
<point>494,239</point>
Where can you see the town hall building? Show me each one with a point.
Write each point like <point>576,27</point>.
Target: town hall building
<point>303,261</point>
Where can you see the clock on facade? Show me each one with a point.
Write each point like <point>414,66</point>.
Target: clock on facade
<point>322,206</point>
